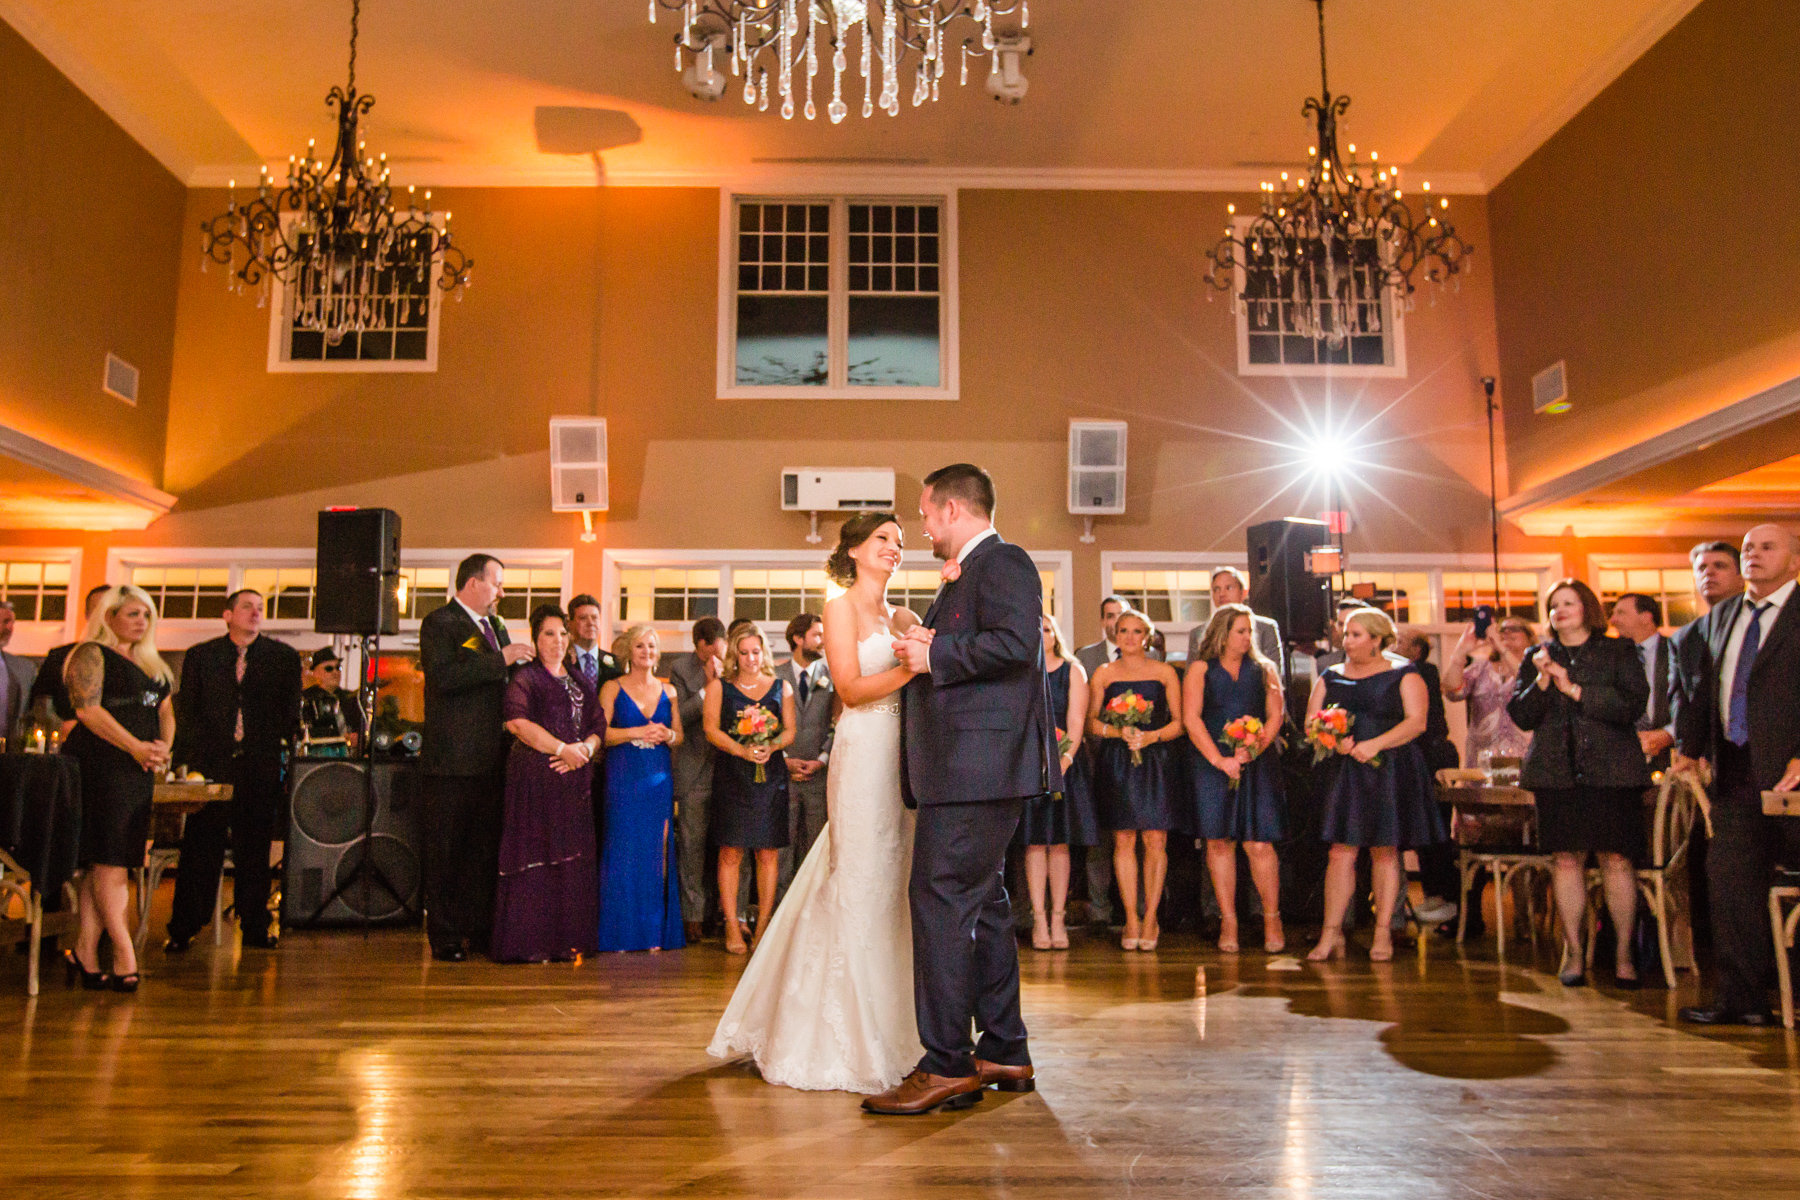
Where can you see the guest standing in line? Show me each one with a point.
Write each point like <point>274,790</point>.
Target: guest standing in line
<point>119,688</point>
<point>546,904</point>
<point>1741,719</point>
<point>640,892</point>
<point>1638,618</point>
<point>748,813</point>
<point>1380,795</point>
<point>1481,673</point>
<point>1055,820</point>
<point>809,679</point>
<point>238,710</point>
<point>691,674</point>
<point>1229,586</point>
<point>18,676</point>
<point>587,658</point>
<point>1098,856</point>
<point>49,686</point>
<point>1237,795</point>
<point>1438,874</point>
<point>1138,797</point>
<point>466,655</point>
<point>1581,694</point>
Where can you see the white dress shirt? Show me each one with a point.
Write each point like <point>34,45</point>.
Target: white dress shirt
<point>1771,606</point>
<point>1648,649</point>
<point>480,619</point>
<point>963,554</point>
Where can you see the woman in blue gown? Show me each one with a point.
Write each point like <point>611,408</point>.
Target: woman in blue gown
<point>1388,805</point>
<point>1055,821</point>
<point>1236,796</point>
<point>640,894</point>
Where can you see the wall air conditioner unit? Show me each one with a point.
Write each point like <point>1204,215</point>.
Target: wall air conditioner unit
<point>837,489</point>
<point>578,464</point>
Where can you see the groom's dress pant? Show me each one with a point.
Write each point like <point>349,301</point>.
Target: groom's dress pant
<point>965,956</point>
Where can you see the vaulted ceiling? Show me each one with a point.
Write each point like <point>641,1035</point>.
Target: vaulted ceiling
<point>1180,93</point>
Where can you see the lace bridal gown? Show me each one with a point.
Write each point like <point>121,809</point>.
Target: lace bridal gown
<point>826,1002</point>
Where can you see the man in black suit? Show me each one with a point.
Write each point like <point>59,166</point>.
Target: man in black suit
<point>237,711</point>
<point>1740,716</point>
<point>977,740</point>
<point>466,654</point>
<point>1717,577</point>
<point>49,686</point>
<point>1639,618</point>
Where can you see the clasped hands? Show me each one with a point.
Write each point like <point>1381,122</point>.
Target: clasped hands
<point>572,756</point>
<point>152,756</point>
<point>913,649</point>
<point>1551,672</point>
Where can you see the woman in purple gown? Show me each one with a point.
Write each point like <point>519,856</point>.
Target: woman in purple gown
<point>547,905</point>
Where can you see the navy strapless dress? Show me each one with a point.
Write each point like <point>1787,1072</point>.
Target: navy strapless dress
<point>1394,804</point>
<point>1066,818</point>
<point>1142,796</point>
<point>1256,811</point>
<point>745,813</point>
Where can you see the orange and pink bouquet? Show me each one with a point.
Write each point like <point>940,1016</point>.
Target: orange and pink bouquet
<point>1245,733</point>
<point>1129,710</point>
<point>1327,730</point>
<point>757,726</point>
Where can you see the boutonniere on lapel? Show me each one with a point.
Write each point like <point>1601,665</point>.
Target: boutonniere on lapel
<point>608,661</point>
<point>952,571</point>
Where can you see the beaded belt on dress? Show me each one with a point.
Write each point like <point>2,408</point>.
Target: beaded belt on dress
<point>891,707</point>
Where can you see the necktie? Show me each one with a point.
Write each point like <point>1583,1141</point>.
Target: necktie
<point>1738,727</point>
<point>1643,721</point>
<point>800,677</point>
<point>242,661</point>
<point>487,631</point>
<point>590,666</point>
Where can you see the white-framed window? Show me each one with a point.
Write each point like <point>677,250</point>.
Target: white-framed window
<point>671,589</point>
<point>41,586</point>
<point>1668,577</point>
<point>1271,337</point>
<point>838,297</point>
<point>403,336</point>
<point>1173,590</point>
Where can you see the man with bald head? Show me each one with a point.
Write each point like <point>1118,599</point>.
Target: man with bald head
<point>1742,717</point>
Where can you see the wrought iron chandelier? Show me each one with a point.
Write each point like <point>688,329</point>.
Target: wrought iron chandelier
<point>1319,260</point>
<point>333,235</point>
<point>778,47</point>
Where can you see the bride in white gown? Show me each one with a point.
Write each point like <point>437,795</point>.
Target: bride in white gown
<point>826,1002</point>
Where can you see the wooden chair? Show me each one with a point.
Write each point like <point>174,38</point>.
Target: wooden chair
<point>165,851</point>
<point>1784,915</point>
<point>1506,863</point>
<point>33,923</point>
<point>1678,806</point>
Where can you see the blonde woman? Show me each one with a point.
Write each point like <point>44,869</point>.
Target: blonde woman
<point>1380,793</point>
<point>750,792</point>
<point>119,687</point>
<point>640,893</point>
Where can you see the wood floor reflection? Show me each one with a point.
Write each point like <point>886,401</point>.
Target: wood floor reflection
<point>350,1066</point>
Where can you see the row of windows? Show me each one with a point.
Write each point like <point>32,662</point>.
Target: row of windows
<point>676,596</point>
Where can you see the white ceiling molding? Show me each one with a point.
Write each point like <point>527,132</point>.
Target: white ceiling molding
<point>1768,405</point>
<point>22,447</point>
<point>1595,80</point>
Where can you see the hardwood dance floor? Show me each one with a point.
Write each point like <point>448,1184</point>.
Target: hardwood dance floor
<point>340,1066</point>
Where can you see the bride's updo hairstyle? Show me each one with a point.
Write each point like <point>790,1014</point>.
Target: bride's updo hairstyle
<point>840,568</point>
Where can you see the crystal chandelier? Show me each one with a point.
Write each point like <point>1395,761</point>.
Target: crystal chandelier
<point>1320,259</point>
<point>778,47</point>
<point>332,234</point>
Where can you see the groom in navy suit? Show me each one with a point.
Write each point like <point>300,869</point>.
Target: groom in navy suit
<point>977,741</point>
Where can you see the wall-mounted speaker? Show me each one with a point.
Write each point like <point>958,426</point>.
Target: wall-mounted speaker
<point>340,868</point>
<point>357,589</point>
<point>578,464</point>
<point>1281,586</point>
<point>1096,467</point>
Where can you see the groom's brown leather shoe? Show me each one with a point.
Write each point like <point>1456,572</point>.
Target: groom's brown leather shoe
<point>1003,1078</point>
<point>922,1092</point>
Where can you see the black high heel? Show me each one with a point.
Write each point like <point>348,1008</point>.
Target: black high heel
<point>91,981</point>
<point>125,983</point>
<point>1573,976</point>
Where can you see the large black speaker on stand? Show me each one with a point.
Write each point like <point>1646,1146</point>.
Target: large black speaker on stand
<point>358,572</point>
<point>1280,585</point>
<point>335,838</point>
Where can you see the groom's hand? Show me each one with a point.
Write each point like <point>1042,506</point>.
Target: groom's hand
<point>914,653</point>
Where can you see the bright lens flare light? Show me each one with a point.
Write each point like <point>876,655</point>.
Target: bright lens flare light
<point>1328,458</point>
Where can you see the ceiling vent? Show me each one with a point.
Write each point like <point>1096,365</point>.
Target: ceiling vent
<point>121,379</point>
<point>1550,389</point>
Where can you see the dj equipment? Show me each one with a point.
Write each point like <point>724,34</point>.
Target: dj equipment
<point>345,864</point>
<point>1281,586</point>
<point>357,588</point>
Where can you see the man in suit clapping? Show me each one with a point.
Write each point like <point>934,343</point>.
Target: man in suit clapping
<point>808,678</point>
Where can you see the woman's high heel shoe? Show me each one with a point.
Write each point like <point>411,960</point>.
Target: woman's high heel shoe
<point>1574,968</point>
<point>1040,931</point>
<point>1128,942</point>
<point>1328,947</point>
<point>1059,932</point>
<point>91,981</point>
<point>1381,953</point>
<point>1274,937</point>
<point>1147,944</point>
<point>1228,941</point>
<point>125,983</point>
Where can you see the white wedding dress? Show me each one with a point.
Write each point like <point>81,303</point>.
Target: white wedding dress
<point>826,1002</point>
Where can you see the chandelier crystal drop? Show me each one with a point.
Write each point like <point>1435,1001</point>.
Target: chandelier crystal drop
<point>780,48</point>
<point>1324,251</point>
<point>333,234</point>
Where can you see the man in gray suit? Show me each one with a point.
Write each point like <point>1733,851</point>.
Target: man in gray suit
<point>808,678</point>
<point>1230,587</point>
<point>693,766</point>
<point>21,674</point>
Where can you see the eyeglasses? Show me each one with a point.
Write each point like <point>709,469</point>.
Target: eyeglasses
<point>330,667</point>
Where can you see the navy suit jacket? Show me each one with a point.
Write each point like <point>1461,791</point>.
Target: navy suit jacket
<point>1774,700</point>
<point>465,690</point>
<point>979,728</point>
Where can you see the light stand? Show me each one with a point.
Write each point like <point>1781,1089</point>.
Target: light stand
<point>1493,409</point>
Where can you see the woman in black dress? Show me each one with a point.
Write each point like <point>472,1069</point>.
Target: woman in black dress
<point>1138,797</point>
<point>747,813</point>
<point>1052,822</point>
<point>1388,807</point>
<point>119,687</point>
<point>1580,695</point>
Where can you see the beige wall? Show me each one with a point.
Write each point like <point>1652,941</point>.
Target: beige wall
<point>90,225</point>
<point>1651,242</point>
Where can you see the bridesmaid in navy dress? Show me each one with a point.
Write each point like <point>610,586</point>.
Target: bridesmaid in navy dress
<point>748,814</point>
<point>1387,808</point>
<point>1238,797</point>
<point>1137,798</point>
<point>640,894</point>
<point>1054,821</point>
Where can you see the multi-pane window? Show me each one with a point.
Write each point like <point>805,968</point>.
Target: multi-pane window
<point>667,594</point>
<point>185,593</point>
<point>839,297</point>
<point>1464,591</point>
<point>776,595</point>
<point>915,589</point>
<point>400,314</point>
<point>1275,329</point>
<point>427,590</point>
<point>1403,595</point>
<point>527,587</point>
<point>1673,587</point>
<point>1184,597</point>
<point>287,591</point>
<point>37,591</point>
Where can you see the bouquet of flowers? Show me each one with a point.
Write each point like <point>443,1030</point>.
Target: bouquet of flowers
<point>1129,710</point>
<point>1245,733</point>
<point>757,726</point>
<point>1326,731</point>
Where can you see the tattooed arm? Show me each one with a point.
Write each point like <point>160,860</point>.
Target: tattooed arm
<point>85,674</point>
